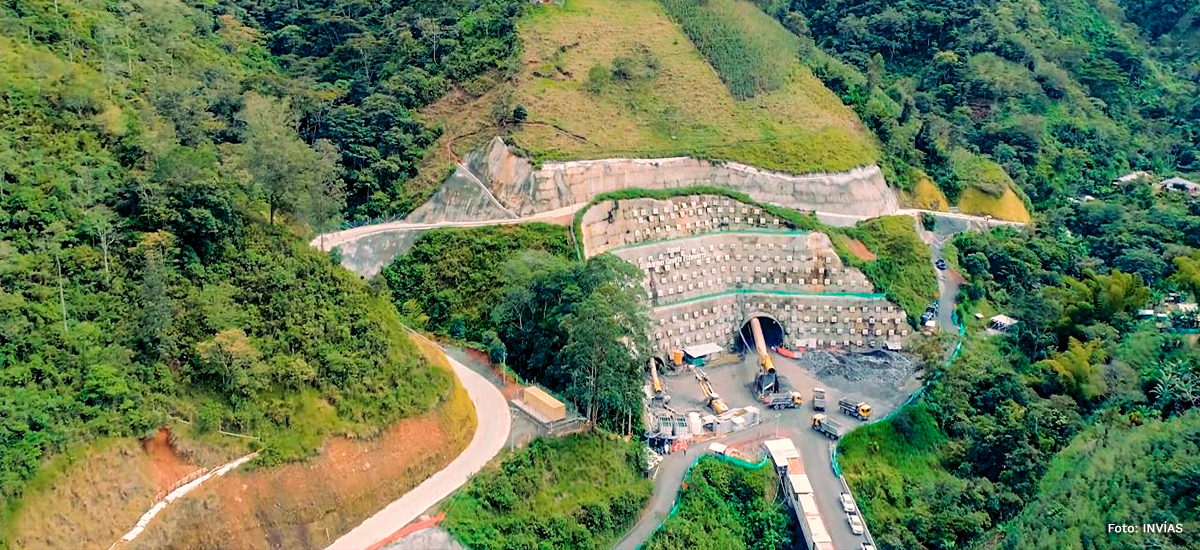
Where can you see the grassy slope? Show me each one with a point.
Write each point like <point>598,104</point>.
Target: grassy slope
<point>881,464</point>
<point>927,195</point>
<point>294,506</point>
<point>901,269</point>
<point>1007,206</point>
<point>685,109</point>
<point>576,492</point>
<point>117,476</point>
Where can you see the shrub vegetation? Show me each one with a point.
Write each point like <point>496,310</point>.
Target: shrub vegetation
<point>727,507</point>
<point>581,491</point>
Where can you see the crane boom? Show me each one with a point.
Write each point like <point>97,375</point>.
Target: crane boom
<point>766,380</point>
<point>654,380</point>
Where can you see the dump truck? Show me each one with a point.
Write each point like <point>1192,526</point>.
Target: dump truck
<point>782,400</point>
<point>818,402</point>
<point>827,426</point>
<point>859,410</point>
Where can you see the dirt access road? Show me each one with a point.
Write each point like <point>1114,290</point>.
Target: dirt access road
<point>494,420</point>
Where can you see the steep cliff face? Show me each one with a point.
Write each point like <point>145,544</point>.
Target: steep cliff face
<point>525,190</point>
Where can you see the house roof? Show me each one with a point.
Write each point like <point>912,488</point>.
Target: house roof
<point>700,350</point>
<point>1132,176</point>
<point>1181,183</point>
<point>1003,320</point>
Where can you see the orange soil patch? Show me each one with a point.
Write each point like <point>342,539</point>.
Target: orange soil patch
<point>511,388</point>
<point>860,250</point>
<point>168,466</point>
<point>310,504</point>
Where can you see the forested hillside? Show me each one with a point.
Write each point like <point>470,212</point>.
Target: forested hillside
<point>1058,96</point>
<point>1126,475</point>
<point>983,443</point>
<point>159,162</point>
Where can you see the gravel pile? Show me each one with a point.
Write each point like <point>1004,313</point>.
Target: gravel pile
<point>877,367</point>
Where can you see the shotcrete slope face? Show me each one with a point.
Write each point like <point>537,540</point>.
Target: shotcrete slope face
<point>494,184</point>
<point>524,190</point>
<point>711,263</point>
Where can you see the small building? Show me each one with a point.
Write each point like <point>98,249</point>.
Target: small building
<point>1001,324</point>
<point>1133,177</point>
<point>1180,184</point>
<point>703,353</point>
<point>544,404</point>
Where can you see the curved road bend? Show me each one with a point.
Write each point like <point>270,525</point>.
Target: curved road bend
<point>491,432</point>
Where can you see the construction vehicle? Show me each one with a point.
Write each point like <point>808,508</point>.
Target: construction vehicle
<point>859,410</point>
<point>783,400</point>
<point>714,401</point>
<point>766,381</point>
<point>827,426</point>
<point>818,399</point>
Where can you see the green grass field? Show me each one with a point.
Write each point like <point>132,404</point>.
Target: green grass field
<point>682,107</point>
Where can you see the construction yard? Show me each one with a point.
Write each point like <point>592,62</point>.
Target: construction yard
<point>882,379</point>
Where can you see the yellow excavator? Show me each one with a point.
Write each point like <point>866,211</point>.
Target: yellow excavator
<point>766,381</point>
<point>714,401</point>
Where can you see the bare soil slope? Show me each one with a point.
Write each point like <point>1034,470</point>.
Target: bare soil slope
<point>307,505</point>
<point>101,494</point>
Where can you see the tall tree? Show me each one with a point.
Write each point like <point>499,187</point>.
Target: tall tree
<point>285,170</point>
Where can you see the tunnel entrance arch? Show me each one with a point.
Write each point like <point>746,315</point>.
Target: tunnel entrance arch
<point>772,333</point>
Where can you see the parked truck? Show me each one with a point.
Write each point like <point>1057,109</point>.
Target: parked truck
<point>827,426</point>
<point>818,403</point>
<point>859,410</point>
<point>782,400</point>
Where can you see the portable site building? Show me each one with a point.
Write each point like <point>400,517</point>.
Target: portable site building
<point>544,404</point>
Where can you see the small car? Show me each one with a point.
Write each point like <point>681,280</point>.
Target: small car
<point>941,264</point>
<point>856,524</point>
<point>847,503</point>
<point>866,546</point>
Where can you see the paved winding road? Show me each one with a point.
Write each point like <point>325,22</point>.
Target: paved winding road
<point>494,421</point>
<point>327,241</point>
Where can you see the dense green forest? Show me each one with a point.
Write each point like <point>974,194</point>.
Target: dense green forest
<point>727,507</point>
<point>1152,468</point>
<point>1058,96</point>
<point>359,70</point>
<point>452,276</point>
<point>580,491</point>
<point>156,166</point>
<point>579,328</point>
<point>976,451</point>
